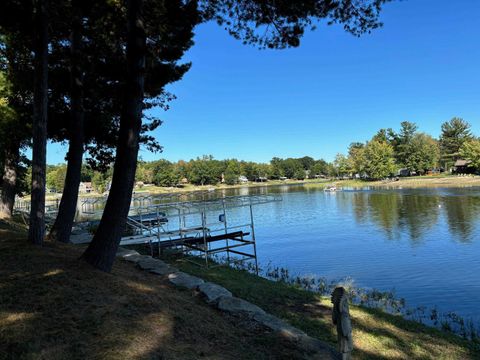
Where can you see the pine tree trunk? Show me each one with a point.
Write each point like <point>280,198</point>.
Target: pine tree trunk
<point>9,182</point>
<point>62,227</point>
<point>36,231</point>
<point>102,250</point>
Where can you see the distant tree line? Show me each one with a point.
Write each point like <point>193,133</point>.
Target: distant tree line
<point>409,151</point>
<point>206,170</point>
<point>203,170</point>
<point>387,153</point>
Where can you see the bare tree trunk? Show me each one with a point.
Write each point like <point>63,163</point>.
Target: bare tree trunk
<point>101,251</point>
<point>62,227</point>
<point>9,182</point>
<point>36,231</point>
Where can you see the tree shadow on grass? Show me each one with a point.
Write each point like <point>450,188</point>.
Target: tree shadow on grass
<point>53,306</point>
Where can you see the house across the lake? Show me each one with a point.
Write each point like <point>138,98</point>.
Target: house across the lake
<point>85,188</point>
<point>462,166</point>
<point>242,179</point>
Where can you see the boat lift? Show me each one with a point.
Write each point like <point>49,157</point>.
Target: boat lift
<point>200,229</point>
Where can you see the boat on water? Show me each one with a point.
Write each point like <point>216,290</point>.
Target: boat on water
<point>330,188</point>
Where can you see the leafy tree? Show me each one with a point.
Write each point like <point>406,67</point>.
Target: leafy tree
<point>232,171</point>
<point>56,177</point>
<point>182,169</point>
<point>100,181</point>
<point>320,167</point>
<point>145,172</point>
<point>165,174</point>
<point>421,153</point>
<point>205,171</point>
<point>291,167</point>
<point>383,135</point>
<point>299,174</point>
<point>277,168</point>
<point>454,134</point>
<point>248,169</point>
<point>401,142</point>
<point>86,173</point>
<point>331,170</point>
<point>263,170</point>
<point>16,88</point>
<point>356,157</point>
<point>342,165</point>
<point>379,159</point>
<point>470,150</point>
<point>307,162</point>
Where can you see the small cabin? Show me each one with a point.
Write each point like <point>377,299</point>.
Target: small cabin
<point>462,166</point>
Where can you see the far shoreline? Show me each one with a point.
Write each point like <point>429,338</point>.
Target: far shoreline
<point>438,181</point>
<point>417,182</point>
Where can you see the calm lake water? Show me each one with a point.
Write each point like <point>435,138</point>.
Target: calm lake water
<point>423,243</point>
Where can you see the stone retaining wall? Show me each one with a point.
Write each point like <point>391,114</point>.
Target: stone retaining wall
<point>222,299</point>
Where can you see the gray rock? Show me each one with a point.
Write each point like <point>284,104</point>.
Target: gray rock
<point>316,348</point>
<point>78,231</point>
<point>83,238</point>
<point>185,280</point>
<point>278,325</point>
<point>135,258</point>
<point>238,306</point>
<point>164,270</point>
<point>122,252</point>
<point>150,263</point>
<point>213,291</point>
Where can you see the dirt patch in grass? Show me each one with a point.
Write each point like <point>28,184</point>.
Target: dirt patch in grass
<point>376,334</point>
<point>53,306</point>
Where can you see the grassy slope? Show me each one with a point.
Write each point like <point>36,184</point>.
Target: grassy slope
<point>52,306</point>
<point>377,335</point>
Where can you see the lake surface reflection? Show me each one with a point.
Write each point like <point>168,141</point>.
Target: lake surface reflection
<point>424,243</point>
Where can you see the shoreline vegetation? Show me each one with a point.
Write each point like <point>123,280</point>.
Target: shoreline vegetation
<point>96,315</point>
<point>434,181</point>
<point>406,182</point>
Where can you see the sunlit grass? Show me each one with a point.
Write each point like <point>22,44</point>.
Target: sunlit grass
<point>376,334</point>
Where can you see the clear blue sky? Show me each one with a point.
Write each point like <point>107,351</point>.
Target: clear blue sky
<point>240,102</point>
